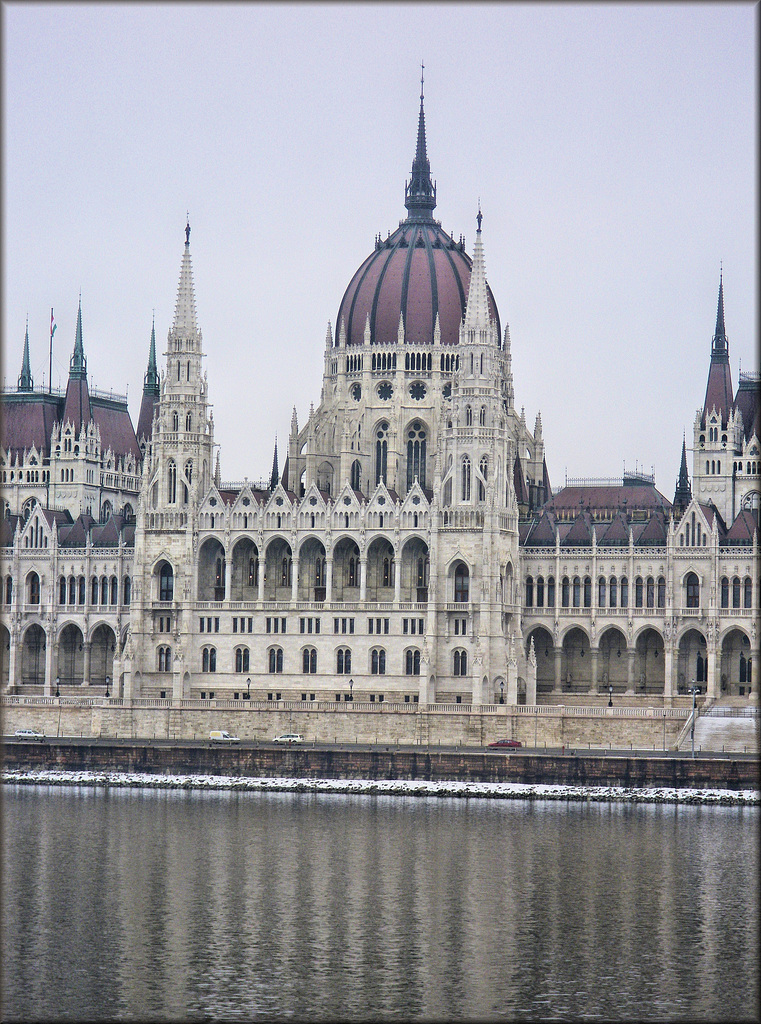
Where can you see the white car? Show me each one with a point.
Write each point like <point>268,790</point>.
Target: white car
<point>29,734</point>
<point>289,737</point>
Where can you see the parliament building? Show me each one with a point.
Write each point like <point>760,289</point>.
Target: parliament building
<point>411,550</point>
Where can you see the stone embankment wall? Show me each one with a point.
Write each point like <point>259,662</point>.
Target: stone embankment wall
<point>388,765</point>
<point>553,727</point>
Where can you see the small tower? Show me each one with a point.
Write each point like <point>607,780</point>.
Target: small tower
<point>25,381</point>
<point>683,492</point>
<point>151,393</point>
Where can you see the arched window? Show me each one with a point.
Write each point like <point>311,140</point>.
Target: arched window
<point>175,416</point>
<point>483,467</point>
<point>62,590</point>
<point>650,592</point>
<point>165,659</point>
<point>72,590</point>
<point>34,588</point>
<point>565,599</point>
<point>166,582</point>
<point>356,475</point>
<point>188,480</point>
<point>748,592</point>
<point>550,591</point>
<point>188,422</point>
<point>482,414</point>
<point>309,659</point>
<point>700,668</point>
<point>127,589</point>
<point>736,592</point>
<point>612,592</point>
<point>381,453</point>
<point>209,659</point>
<point>601,590</point>
<point>378,661</point>
<point>114,590</point>
<point>104,590</point>
<point>242,659</point>
<point>171,480</point>
<point>529,591</point>
<point>422,572</point>
<point>661,598</point>
<point>285,572</point>
<point>253,571</point>
<point>276,659</point>
<point>412,663</point>
<point>8,589</point>
<point>460,663</point>
<point>540,591</point>
<point>724,592</point>
<point>94,590</point>
<point>692,590</point>
<point>343,661</point>
<point>468,416</point>
<point>638,592</point>
<point>624,592</point>
<point>416,453</point>
<point>353,562</point>
<point>461,582</point>
<point>465,490</point>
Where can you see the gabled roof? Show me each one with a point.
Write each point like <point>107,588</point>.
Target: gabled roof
<point>580,533</point>
<point>8,526</point>
<point>654,532</point>
<point>106,535</point>
<point>748,402</point>
<point>616,533</point>
<point>540,532</point>
<point>742,529</point>
<point>75,536</point>
<point>27,421</point>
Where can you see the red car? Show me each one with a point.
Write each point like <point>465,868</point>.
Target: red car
<point>506,743</point>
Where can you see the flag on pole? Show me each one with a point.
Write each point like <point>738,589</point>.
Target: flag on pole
<point>53,325</point>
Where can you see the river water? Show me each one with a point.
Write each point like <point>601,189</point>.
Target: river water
<point>175,905</point>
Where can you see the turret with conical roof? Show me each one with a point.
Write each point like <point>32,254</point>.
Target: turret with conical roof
<point>77,406</point>
<point>719,393</point>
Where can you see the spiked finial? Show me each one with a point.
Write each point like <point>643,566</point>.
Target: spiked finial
<point>151,378</point>
<point>275,474</point>
<point>187,230</point>
<point>25,382</point>
<point>683,493</point>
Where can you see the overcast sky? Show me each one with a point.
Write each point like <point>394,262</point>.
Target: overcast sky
<point>613,149</point>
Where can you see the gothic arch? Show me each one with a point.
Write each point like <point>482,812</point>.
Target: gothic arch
<point>211,569</point>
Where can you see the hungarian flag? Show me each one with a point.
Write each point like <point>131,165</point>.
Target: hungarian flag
<point>53,325</point>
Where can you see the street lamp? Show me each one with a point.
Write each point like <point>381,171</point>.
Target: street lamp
<point>502,691</point>
<point>108,680</point>
<point>351,689</point>
<point>693,690</point>
<point>248,689</point>
<point>58,686</point>
<point>610,696</point>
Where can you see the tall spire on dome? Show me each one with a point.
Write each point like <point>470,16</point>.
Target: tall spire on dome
<point>78,362</point>
<point>420,191</point>
<point>25,382</point>
<point>185,309</point>
<point>720,342</point>
<point>477,310</point>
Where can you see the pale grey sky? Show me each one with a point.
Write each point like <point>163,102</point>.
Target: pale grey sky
<point>613,149</point>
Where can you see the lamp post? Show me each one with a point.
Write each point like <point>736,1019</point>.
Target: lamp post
<point>502,691</point>
<point>248,689</point>
<point>58,686</point>
<point>693,690</point>
<point>610,696</point>
<point>351,690</point>
<point>108,680</point>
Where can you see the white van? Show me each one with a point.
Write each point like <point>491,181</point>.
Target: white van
<point>220,736</point>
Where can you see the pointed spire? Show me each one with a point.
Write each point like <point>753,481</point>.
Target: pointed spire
<point>437,330</point>
<point>420,191</point>
<point>329,336</point>
<point>400,330</point>
<point>294,423</point>
<point>477,311</point>
<point>185,308</point>
<point>720,341</point>
<point>78,363</point>
<point>25,382</point>
<point>151,378</point>
<point>217,474</point>
<point>367,329</point>
<point>275,474</point>
<point>683,492</point>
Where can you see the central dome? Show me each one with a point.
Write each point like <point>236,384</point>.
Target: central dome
<point>419,271</point>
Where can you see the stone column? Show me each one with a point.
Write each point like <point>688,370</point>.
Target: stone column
<point>631,655</point>
<point>49,688</point>
<point>14,670</point>
<point>713,687</point>
<point>397,581</point>
<point>262,574</point>
<point>86,669</point>
<point>558,688</point>
<point>669,687</point>
<point>228,579</point>
<point>294,580</point>
<point>329,578</point>
<point>594,653</point>
<point>362,577</point>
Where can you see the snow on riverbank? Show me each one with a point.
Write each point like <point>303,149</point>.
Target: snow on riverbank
<point>481,790</point>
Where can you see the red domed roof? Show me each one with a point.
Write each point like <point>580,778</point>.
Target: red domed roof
<point>418,271</point>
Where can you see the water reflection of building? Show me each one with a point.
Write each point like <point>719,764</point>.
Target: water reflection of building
<point>411,550</point>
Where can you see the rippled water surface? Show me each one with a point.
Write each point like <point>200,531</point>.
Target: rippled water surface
<point>167,905</point>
